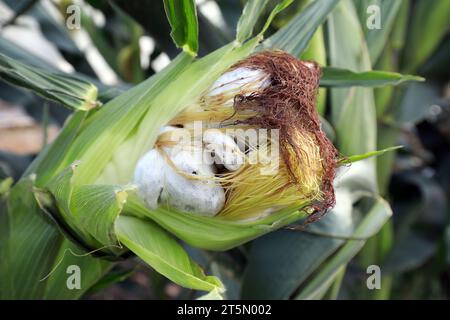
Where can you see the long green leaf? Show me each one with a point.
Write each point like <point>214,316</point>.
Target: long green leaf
<point>316,51</point>
<point>248,19</point>
<point>278,8</point>
<point>294,37</point>
<point>353,110</point>
<point>182,17</point>
<point>338,77</point>
<point>376,38</point>
<point>18,53</point>
<point>360,157</point>
<point>281,261</point>
<point>28,238</point>
<point>74,93</point>
<point>429,24</point>
<point>376,217</point>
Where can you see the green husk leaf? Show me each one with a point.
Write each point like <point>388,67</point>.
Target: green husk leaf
<point>157,248</point>
<point>24,235</point>
<point>76,94</point>
<point>212,233</point>
<point>252,11</point>
<point>97,208</point>
<point>55,200</point>
<point>88,212</point>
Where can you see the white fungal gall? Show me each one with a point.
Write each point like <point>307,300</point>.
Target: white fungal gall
<point>161,183</point>
<point>224,149</point>
<point>239,81</point>
<point>149,178</point>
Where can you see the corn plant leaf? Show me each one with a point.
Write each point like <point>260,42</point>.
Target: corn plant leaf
<point>294,37</point>
<point>182,17</point>
<point>353,111</point>
<point>278,8</point>
<point>24,235</point>
<point>28,238</point>
<point>338,77</point>
<point>15,52</point>
<point>52,30</point>
<point>416,102</point>
<point>429,24</point>
<point>48,160</point>
<point>316,51</point>
<point>99,39</point>
<point>74,93</point>
<point>252,11</point>
<point>5,185</point>
<point>306,251</point>
<point>359,157</point>
<point>248,19</point>
<point>376,216</point>
<point>266,278</point>
<point>376,35</point>
<point>387,136</point>
<point>157,248</point>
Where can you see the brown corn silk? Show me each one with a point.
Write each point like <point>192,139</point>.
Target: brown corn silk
<point>307,168</point>
<point>289,104</point>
